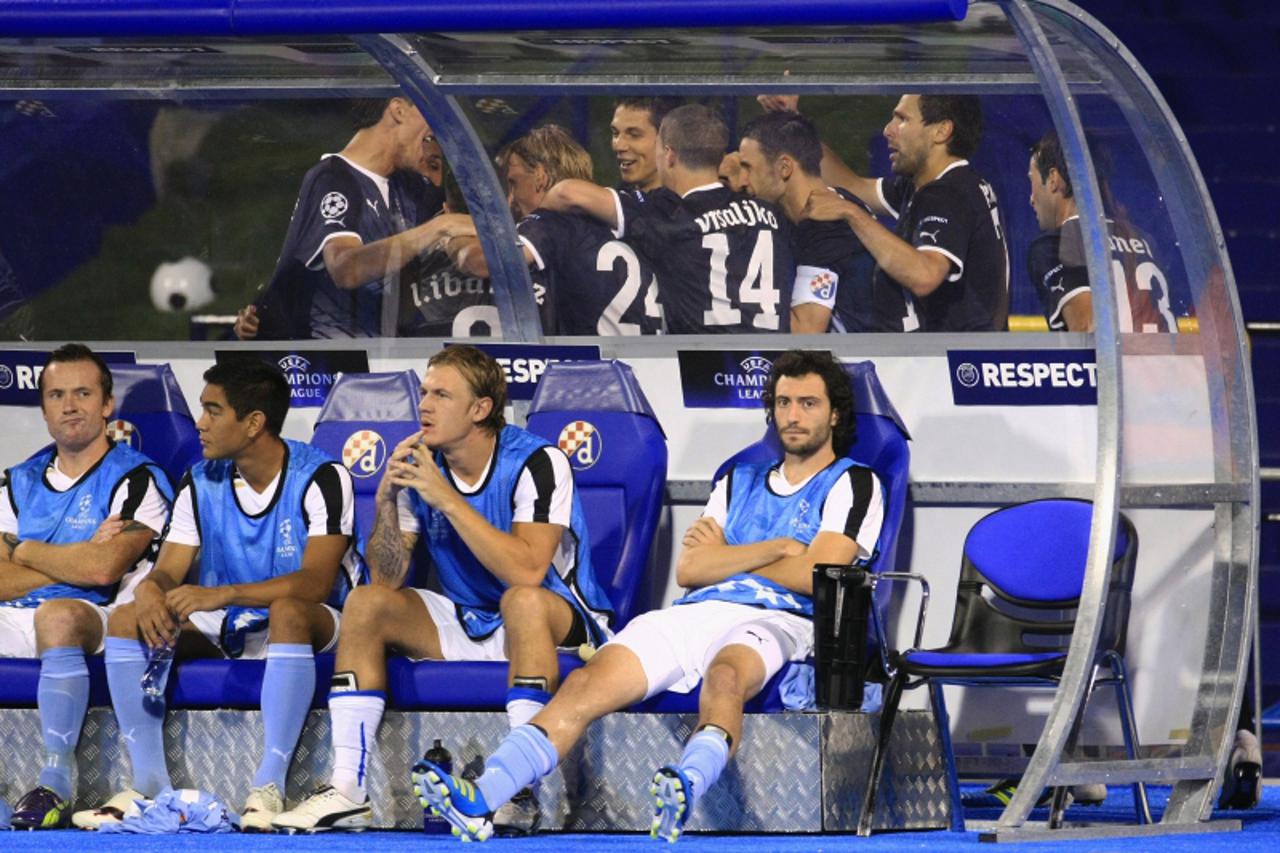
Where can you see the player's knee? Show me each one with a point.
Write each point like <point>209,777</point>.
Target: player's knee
<point>523,606</point>
<point>722,680</point>
<point>366,608</point>
<point>289,619</point>
<point>64,622</point>
<point>576,683</point>
<point>123,621</point>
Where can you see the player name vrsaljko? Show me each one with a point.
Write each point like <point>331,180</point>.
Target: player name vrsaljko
<point>746,212</point>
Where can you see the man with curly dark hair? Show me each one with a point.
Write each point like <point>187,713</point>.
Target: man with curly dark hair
<point>748,562</point>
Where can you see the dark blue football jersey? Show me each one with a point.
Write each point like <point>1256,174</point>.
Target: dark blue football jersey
<point>338,199</point>
<point>724,260</point>
<point>834,269</point>
<point>437,300</point>
<point>1056,265</point>
<point>955,214</point>
<point>595,284</point>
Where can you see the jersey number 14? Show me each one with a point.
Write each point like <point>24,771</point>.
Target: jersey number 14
<point>756,287</point>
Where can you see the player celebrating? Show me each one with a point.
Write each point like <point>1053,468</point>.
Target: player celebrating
<point>780,160</point>
<point>268,524</point>
<point>58,573</point>
<point>1056,264</point>
<point>723,259</point>
<point>749,560</point>
<point>634,134</point>
<point>361,216</point>
<point>508,538</point>
<point>946,269</point>
<point>593,283</point>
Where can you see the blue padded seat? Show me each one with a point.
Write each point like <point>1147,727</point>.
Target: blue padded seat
<point>364,417</point>
<point>216,683</point>
<point>880,444</point>
<point>19,678</point>
<point>152,416</point>
<point>597,414</point>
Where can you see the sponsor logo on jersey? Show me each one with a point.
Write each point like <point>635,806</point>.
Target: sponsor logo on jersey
<point>333,206</point>
<point>1023,377</point>
<point>364,453</point>
<point>122,432</point>
<point>582,443</point>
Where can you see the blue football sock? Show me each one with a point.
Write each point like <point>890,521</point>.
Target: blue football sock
<point>704,759</point>
<point>63,698</point>
<point>524,756</point>
<point>287,687</point>
<point>141,719</point>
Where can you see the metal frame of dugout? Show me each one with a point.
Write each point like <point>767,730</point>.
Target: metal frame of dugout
<point>1005,46</point>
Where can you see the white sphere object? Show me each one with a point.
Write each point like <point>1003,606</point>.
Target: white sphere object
<point>184,285</point>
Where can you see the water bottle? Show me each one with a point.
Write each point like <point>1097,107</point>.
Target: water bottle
<point>440,757</point>
<point>156,675</point>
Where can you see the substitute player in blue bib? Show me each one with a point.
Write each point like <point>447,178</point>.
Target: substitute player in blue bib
<point>780,160</point>
<point>267,524</point>
<point>586,281</point>
<point>723,259</point>
<point>362,215</point>
<point>749,563</point>
<point>59,574</point>
<point>506,532</point>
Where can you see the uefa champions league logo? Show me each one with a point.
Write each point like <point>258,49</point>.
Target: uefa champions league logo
<point>83,519</point>
<point>333,205</point>
<point>285,547</point>
<point>6,377</point>
<point>294,364</point>
<point>756,364</point>
<point>967,375</point>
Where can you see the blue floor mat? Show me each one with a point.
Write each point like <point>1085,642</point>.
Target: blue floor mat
<point>1261,832</point>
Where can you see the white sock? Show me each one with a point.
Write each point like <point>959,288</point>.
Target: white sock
<point>354,718</point>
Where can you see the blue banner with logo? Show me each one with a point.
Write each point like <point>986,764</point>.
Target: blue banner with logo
<point>722,379</point>
<point>310,374</point>
<point>524,364</point>
<point>20,373</point>
<point>1023,377</point>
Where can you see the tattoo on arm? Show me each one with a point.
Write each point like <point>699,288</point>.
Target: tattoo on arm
<point>11,541</point>
<point>135,526</point>
<point>386,553</point>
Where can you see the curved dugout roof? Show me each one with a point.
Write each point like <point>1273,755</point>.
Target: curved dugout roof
<point>95,18</point>
<point>1091,89</point>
